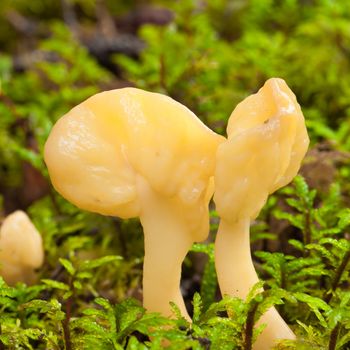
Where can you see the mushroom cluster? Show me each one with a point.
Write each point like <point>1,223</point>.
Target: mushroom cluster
<point>131,153</point>
<point>21,250</point>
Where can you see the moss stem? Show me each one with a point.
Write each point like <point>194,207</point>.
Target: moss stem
<point>249,326</point>
<point>337,277</point>
<point>333,337</point>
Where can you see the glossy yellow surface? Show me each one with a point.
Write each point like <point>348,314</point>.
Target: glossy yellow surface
<point>267,140</point>
<point>21,249</point>
<point>96,151</point>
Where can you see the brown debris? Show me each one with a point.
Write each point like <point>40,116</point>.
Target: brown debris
<point>320,165</point>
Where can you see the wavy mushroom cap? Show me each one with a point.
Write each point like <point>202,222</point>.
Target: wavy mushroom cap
<point>267,140</point>
<point>21,248</point>
<point>96,152</point>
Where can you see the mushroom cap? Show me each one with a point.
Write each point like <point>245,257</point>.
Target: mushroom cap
<point>267,140</point>
<point>95,152</point>
<point>20,247</point>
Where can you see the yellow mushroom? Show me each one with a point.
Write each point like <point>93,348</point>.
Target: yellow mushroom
<point>267,141</point>
<point>21,250</point>
<point>131,153</point>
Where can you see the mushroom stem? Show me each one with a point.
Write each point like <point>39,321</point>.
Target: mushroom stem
<point>233,264</point>
<point>167,242</point>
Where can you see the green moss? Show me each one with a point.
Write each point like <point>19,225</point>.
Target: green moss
<point>210,57</point>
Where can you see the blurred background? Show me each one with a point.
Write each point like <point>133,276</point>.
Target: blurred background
<point>208,55</point>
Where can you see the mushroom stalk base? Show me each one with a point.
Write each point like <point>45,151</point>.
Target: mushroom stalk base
<point>237,275</point>
<point>167,242</point>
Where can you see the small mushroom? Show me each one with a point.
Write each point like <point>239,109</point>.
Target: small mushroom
<point>131,153</point>
<point>21,250</point>
<point>267,141</point>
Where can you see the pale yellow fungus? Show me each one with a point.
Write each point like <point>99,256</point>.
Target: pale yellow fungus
<point>21,250</point>
<point>267,141</point>
<point>132,153</point>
